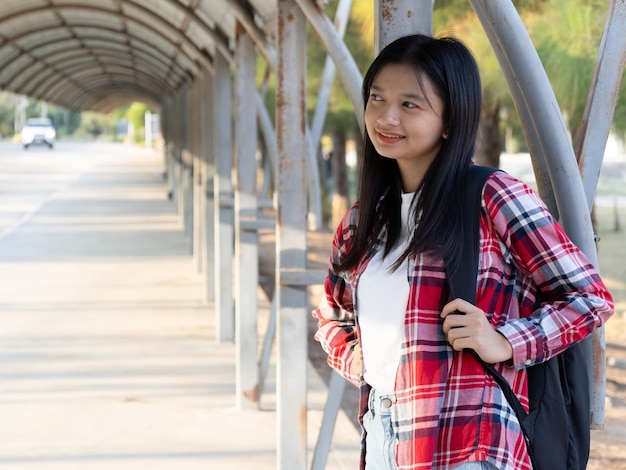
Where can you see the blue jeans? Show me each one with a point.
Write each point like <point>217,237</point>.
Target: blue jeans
<point>380,441</point>
<point>380,453</point>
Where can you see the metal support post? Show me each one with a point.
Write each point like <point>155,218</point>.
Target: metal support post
<point>197,129</point>
<point>396,18</point>
<point>168,158</point>
<point>267,130</point>
<point>221,98</point>
<point>602,99</point>
<point>178,160</point>
<point>187,165</point>
<point>208,182</point>
<point>291,236</point>
<point>148,129</point>
<point>590,149</point>
<point>246,248</point>
<point>531,90</point>
<point>336,389</point>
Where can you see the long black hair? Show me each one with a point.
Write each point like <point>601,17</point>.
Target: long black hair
<point>453,74</point>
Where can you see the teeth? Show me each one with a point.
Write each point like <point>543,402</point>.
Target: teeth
<point>390,136</point>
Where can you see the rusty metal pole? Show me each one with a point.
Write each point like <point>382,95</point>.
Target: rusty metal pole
<point>222,97</point>
<point>208,181</point>
<point>291,237</point>
<point>246,240</point>
<point>397,18</point>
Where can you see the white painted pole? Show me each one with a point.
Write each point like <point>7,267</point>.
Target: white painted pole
<point>222,97</point>
<point>246,247</point>
<point>291,229</point>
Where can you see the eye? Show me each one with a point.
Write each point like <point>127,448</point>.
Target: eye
<point>408,104</point>
<point>375,97</point>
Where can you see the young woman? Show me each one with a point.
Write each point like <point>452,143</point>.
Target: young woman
<point>386,321</point>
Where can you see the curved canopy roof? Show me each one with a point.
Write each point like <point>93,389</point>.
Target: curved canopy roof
<point>98,54</point>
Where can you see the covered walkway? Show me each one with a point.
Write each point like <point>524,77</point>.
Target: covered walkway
<point>109,354</point>
<point>198,64</point>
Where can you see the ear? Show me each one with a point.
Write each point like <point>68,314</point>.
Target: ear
<point>445,133</point>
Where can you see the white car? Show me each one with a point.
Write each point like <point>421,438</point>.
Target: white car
<point>38,131</point>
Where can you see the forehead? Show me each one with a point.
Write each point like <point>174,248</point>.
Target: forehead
<point>404,79</point>
<point>403,76</point>
<point>396,72</point>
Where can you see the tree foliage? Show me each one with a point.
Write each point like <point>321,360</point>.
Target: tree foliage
<point>567,37</point>
<point>566,34</point>
<point>7,114</point>
<point>340,109</point>
<point>136,116</point>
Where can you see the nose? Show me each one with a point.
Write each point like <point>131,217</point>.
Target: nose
<point>388,116</point>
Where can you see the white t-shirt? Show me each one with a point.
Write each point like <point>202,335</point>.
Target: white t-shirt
<point>381,299</point>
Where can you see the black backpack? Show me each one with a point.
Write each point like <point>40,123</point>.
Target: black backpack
<point>557,428</point>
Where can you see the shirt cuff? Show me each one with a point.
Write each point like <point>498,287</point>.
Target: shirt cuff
<point>527,343</point>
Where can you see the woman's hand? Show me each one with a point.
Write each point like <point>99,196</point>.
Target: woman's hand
<point>466,327</point>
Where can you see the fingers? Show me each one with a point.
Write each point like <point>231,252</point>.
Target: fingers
<point>464,324</point>
<point>460,314</point>
<point>458,306</point>
<point>466,332</point>
<point>467,327</point>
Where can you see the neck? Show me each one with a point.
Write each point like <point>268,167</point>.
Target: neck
<point>412,176</point>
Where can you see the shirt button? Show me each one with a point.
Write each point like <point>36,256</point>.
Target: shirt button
<point>385,403</point>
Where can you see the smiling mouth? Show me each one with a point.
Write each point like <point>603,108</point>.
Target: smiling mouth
<point>389,137</point>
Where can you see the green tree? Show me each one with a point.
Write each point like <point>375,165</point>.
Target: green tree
<point>97,124</point>
<point>136,116</point>
<point>496,96</point>
<point>567,37</point>
<point>7,114</point>
<point>566,34</point>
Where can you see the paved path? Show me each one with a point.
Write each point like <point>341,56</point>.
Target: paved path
<point>108,358</point>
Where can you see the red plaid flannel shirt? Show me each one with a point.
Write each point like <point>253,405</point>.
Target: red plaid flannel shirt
<point>448,410</point>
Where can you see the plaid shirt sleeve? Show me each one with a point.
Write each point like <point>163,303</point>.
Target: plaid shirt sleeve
<point>576,299</point>
<point>337,329</point>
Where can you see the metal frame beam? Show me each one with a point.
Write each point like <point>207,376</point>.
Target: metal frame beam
<point>291,301</point>
<point>397,18</point>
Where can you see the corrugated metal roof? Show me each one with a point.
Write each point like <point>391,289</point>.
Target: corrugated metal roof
<point>96,54</point>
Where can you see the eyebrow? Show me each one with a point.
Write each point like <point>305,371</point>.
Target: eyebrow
<point>404,95</point>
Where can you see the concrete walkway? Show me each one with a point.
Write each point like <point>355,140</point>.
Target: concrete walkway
<point>108,358</point>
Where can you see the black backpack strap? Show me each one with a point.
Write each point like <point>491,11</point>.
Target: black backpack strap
<point>462,282</point>
<point>462,279</point>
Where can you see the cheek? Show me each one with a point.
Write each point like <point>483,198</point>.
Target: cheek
<point>369,122</point>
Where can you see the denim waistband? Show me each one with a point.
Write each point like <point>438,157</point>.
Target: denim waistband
<point>381,403</point>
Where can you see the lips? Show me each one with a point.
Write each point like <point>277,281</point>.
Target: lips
<point>388,137</point>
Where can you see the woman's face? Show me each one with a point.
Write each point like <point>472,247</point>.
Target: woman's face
<point>403,123</point>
